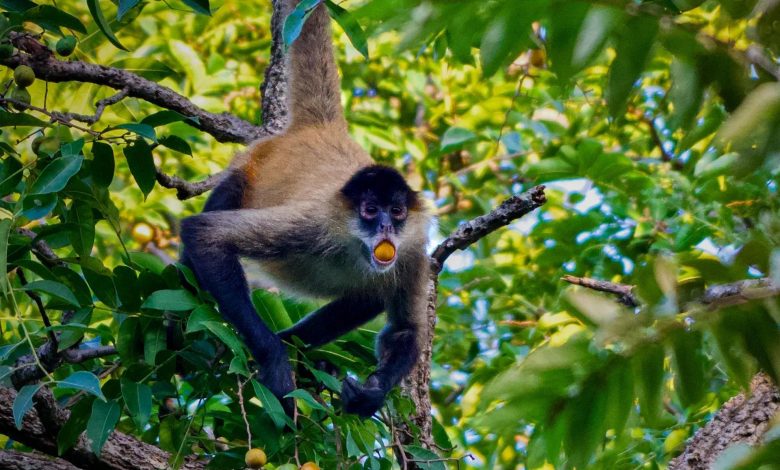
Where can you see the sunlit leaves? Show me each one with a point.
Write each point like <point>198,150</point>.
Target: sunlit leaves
<point>632,51</point>
<point>350,26</point>
<point>55,176</point>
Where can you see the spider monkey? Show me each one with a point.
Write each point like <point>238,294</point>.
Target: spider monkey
<point>322,220</point>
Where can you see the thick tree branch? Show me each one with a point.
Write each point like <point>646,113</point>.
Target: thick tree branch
<point>13,460</point>
<point>121,452</point>
<point>471,231</point>
<point>224,126</point>
<point>742,419</point>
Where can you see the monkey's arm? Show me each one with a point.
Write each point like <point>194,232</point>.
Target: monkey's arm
<point>213,243</point>
<point>334,319</point>
<point>398,348</point>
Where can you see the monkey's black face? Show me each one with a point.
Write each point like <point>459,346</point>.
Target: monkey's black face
<point>381,200</point>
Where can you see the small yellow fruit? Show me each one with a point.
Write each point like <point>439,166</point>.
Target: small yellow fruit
<point>310,466</point>
<point>143,233</point>
<point>24,76</point>
<point>385,251</point>
<point>255,458</point>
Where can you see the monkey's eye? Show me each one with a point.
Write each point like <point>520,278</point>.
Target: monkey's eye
<point>398,212</point>
<point>369,211</point>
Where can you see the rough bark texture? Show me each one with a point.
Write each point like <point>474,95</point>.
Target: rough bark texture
<point>13,460</point>
<point>121,452</point>
<point>741,419</point>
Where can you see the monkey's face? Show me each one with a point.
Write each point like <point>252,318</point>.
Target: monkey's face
<point>381,200</point>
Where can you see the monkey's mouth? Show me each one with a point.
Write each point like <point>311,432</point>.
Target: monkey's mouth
<point>384,253</point>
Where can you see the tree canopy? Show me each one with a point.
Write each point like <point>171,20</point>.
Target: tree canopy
<point>600,328</point>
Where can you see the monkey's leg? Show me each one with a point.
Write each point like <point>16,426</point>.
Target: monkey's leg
<point>213,243</point>
<point>334,319</point>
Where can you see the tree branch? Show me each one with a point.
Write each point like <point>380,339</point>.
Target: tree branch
<point>14,460</point>
<point>417,384</point>
<point>185,189</point>
<point>121,452</point>
<point>471,231</point>
<point>224,126</point>
<point>623,291</point>
<point>742,419</point>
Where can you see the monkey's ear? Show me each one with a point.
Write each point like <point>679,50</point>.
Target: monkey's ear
<point>413,201</point>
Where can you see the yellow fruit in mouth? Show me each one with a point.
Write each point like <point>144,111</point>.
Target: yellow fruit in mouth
<point>384,252</point>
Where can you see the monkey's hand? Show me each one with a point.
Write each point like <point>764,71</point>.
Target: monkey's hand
<point>362,400</point>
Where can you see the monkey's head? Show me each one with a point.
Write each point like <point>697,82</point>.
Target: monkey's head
<point>381,201</point>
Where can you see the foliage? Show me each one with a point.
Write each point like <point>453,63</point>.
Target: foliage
<point>653,124</point>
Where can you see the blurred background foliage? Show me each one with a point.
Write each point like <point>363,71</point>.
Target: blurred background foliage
<point>654,125</point>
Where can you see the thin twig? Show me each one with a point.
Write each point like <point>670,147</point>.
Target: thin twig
<point>243,410</point>
<point>39,303</point>
<point>623,291</point>
<point>185,189</point>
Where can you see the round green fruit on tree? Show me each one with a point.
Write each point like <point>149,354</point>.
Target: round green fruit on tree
<point>66,46</point>
<point>22,96</point>
<point>43,145</point>
<point>24,76</point>
<point>6,51</point>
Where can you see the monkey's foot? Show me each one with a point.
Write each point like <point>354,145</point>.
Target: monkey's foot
<point>362,400</point>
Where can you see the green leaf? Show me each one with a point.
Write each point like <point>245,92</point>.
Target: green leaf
<point>563,35</point>
<point>167,116</point>
<point>138,400</point>
<point>326,379</point>
<point>631,52</point>
<point>105,415</point>
<point>56,175</point>
<point>125,6</point>
<point>350,26</point>
<point>308,399</point>
<point>5,231</point>
<point>23,402</point>
<point>75,425</point>
<point>154,342</point>
<point>685,94</point>
<point>20,119</point>
<point>53,19</point>
<point>148,68</point>
<point>176,143</point>
<point>271,310</point>
<point>596,27</point>
<point>144,130</point>
<point>75,329</point>
<point>53,289</point>
<point>293,25</point>
<point>85,381</point>
<point>176,300</point>
<point>36,206</point>
<point>454,138</point>
<point>83,237</point>
<point>102,164</point>
<point>425,459</point>
<point>690,378</point>
<point>271,405</point>
<point>129,341</point>
<point>508,33</point>
<point>141,163</point>
<point>100,280</point>
<point>10,174</point>
<point>198,317</point>
<point>105,28</point>
<point>199,6</point>
<point>127,289</point>
<point>586,415</point>
<point>227,336</point>
<point>649,371</point>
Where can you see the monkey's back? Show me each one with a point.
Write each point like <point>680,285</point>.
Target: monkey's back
<point>306,165</point>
